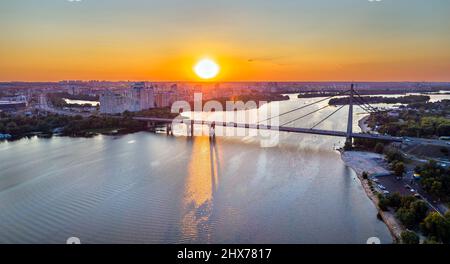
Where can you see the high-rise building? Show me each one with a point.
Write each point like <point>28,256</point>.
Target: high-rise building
<point>113,103</point>
<point>140,97</point>
<point>143,96</point>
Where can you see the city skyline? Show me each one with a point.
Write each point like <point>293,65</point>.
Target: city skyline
<point>349,40</point>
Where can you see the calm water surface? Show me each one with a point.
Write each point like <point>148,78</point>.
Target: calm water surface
<point>82,102</point>
<point>150,188</point>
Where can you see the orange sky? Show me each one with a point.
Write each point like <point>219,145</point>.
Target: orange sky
<point>251,41</point>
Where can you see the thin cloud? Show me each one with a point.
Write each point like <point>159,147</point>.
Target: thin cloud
<point>262,59</point>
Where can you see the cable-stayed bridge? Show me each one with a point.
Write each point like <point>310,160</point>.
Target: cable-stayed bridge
<point>191,123</point>
<point>353,96</point>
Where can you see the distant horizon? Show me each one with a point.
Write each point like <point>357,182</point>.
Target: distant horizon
<point>212,82</point>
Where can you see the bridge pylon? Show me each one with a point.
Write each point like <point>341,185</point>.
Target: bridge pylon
<point>349,141</point>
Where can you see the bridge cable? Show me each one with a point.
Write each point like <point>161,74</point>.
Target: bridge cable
<point>321,121</point>
<point>363,100</point>
<point>375,109</point>
<point>305,106</point>
<point>359,103</point>
<point>310,113</point>
<point>363,106</point>
<point>367,106</point>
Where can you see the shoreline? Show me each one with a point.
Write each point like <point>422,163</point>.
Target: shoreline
<point>362,124</point>
<point>394,226</point>
<point>356,161</point>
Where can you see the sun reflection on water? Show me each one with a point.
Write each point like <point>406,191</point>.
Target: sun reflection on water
<point>201,185</point>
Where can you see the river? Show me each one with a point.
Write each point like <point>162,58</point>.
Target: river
<point>151,188</point>
<point>81,102</point>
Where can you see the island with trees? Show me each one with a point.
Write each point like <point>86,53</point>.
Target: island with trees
<point>381,100</point>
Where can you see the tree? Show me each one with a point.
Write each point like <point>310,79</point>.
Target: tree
<point>395,200</point>
<point>410,238</point>
<point>444,130</point>
<point>407,201</point>
<point>393,155</point>
<point>436,188</point>
<point>383,203</point>
<point>379,148</point>
<point>127,114</point>
<point>435,180</point>
<point>390,129</point>
<point>420,210</point>
<point>12,128</point>
<point>43,126</point>
<point>406,217</point>
<point>431,241</point>
<point>411,211</point>
<point>365,176</point>
<point>437,226</point>
<point>399,169</point>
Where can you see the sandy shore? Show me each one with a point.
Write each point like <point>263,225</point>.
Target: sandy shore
<point>363,125</point>
<point>370,162</point>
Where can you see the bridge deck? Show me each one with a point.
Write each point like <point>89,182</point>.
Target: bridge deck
<point>274,128</point>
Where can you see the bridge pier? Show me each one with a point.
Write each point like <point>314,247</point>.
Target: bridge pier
<point>151,126</point>
<point>169,130</point>
<point>212,130</point>
<point>190,129</point>
<point>349,140</point>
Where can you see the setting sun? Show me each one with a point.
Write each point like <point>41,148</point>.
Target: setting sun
<point>206,69</point>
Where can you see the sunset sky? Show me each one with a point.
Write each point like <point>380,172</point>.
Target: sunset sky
<point>251,40</point>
